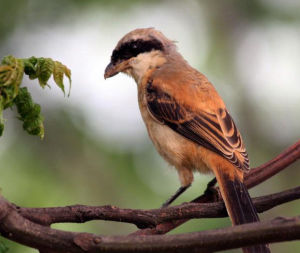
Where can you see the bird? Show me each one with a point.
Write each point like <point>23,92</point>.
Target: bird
<point>186,119</point>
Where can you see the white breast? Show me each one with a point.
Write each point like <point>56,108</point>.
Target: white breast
<point>143,62</point>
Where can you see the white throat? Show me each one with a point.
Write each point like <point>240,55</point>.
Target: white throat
<point>143,63</point>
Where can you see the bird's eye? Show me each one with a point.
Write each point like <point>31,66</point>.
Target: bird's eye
<point>134,45</point>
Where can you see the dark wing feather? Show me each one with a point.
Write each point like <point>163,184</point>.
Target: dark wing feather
<point>216,132</point>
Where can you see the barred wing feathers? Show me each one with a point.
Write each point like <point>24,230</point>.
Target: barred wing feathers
<point>216,132</point>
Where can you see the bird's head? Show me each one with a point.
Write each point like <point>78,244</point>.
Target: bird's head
<point>137,52</point>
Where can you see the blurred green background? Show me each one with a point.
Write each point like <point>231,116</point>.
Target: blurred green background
<point>96,150</point>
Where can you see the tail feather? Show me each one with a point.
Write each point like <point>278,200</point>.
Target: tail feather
<point>238,202</point>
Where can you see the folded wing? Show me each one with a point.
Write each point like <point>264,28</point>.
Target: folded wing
<point>216,132</point>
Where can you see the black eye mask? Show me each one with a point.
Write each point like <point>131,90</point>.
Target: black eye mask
<point>133,48</point>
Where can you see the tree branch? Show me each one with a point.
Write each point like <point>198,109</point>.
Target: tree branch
<point>147,218</point>
<point>15,227</point>
<point>80,213</point>
<point>30,226</point>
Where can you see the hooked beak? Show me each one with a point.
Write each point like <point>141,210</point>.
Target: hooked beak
<point>111,70</point>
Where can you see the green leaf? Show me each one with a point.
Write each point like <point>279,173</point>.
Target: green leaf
<point>58,75</point>
<point>5,72</point>
<point>68,75</point>
<point>45,67</point>
<point>29,113</point>
<point>19,67</point>
<point>30,67</point>
<point>11,75</point>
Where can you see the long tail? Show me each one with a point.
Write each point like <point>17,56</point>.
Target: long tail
<point>238,202</point>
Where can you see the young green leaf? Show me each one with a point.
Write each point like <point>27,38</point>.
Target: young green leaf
<point>58,75</point>
<point>5,73</point>
<point>11,75</point>
<point>44,70</point>
<point>29,113</point>
<point>30,67</point>
<point>14,75</point>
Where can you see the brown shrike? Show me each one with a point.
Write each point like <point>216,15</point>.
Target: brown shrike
<point>186,119</point>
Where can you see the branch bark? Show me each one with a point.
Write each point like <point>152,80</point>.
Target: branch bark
<point>30,226</point>
<point>147,218</point>
<point>15,227</point>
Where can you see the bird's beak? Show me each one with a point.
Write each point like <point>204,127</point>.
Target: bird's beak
<point>111,70</point>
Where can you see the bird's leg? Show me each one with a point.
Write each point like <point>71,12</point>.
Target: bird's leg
<point>186,178</point>
<point>181,190</point>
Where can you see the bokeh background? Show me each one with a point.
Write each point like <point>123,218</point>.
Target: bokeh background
<point>96,150</point>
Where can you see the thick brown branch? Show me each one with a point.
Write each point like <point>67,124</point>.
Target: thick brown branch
<point>262,204</point>
<point>82,213</point>
<point>15,227</point>
<point>20,224</point>
<point>146,218</point>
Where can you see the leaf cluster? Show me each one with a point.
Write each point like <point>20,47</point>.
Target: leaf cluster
<point>12,71</point>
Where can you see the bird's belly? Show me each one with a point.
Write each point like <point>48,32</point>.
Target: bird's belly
<point>175,149</point>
